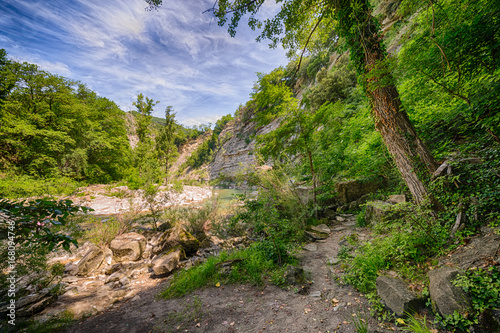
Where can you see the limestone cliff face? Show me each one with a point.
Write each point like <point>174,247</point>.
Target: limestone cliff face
<point>237,147</point>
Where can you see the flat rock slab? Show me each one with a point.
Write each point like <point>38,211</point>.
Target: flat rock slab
<point>446,297</point>
<point>314,235</point>
<point>311,247</point>
<point>396,296</point>
<point>321,228</point>
<point>477,252</point>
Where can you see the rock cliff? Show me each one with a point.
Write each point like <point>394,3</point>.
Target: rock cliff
<point>237,147</point>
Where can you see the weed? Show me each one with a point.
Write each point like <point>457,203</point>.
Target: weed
<point>103,231</point>
<point>360,321</point>
<point>417,325</point>
<point>247,265</point>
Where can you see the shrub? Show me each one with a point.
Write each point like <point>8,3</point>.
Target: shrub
<point>103,231</point>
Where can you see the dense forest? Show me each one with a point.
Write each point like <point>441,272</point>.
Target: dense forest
<point>57,134</point>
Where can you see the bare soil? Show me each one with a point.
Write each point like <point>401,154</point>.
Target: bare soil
<point>328,306</point>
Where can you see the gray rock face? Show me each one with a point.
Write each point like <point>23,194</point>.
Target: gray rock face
<point>235,154</point>
<point>167,263</point>
<point>396,296</point>
<point>379,211</point>
<point>90,261</point>
<point>128,247</point>
<point>477,252</point>
<point>354,189</point>
<point>446,297</point>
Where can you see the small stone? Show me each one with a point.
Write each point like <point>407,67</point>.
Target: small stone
<point>311,247</point>
<point>316,294</point>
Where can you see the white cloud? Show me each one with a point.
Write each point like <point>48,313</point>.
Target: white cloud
<point>177,55</point>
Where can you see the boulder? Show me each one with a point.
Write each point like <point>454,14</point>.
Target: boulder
<point>396,296</point>
<point>113,268</point>
<point>128,247</point>
<point>174,237</point>
<point>90,261</point>
<point>321,228</point>
<point>352,190</point>
<point>379,211</point>
<point>116,276</point>
<point>315,235</point>
<point>446,297</point>
<point>168,262</point>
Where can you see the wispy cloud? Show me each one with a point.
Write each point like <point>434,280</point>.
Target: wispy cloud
<point>177,55</point>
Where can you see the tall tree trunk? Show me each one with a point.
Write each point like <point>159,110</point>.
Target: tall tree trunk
<point>362,33</point>
<point>313,174</point>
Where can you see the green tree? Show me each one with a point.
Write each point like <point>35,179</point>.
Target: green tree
<point>353,22</point>
<point>51,126</point>
<point>165,141</point>
<point>146,160</point>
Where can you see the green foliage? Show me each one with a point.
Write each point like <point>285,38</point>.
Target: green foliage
<point>103,230</point>
<point>33,222</point>
<point>483,288</point>
<point>165,141</point>
<point>250,266</point>
<point>417,325</point>
<point>450,68</point>
<point>332,85</point>
<point>360,321</point>
<point>401,245</point>
<point>205,152</point>
<point>23,186</point>
<point>152,196</point>
<point>51,127</point>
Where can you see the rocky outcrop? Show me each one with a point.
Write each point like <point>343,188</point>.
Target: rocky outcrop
<point>396,296</point>
<point>128,247</point>
<point>168,262</point>
<point>238,144</point>
<point>352,190</point>
<point>379,211</point>
<point>446,297</point>
<point>90,261</point>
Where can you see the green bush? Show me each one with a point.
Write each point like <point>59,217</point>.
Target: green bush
<point>249,265</point>
<point>14,186</point>
<point>399,245</point>
<point>103,231</point>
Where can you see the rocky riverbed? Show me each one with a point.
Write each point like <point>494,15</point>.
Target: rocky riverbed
<point>107,200</point>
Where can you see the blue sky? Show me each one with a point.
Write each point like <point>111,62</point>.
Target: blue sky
<point>177,55</point>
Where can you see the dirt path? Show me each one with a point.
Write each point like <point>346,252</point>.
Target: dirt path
<point>328,306</point>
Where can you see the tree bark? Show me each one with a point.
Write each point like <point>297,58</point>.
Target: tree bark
<point>413,160</point>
